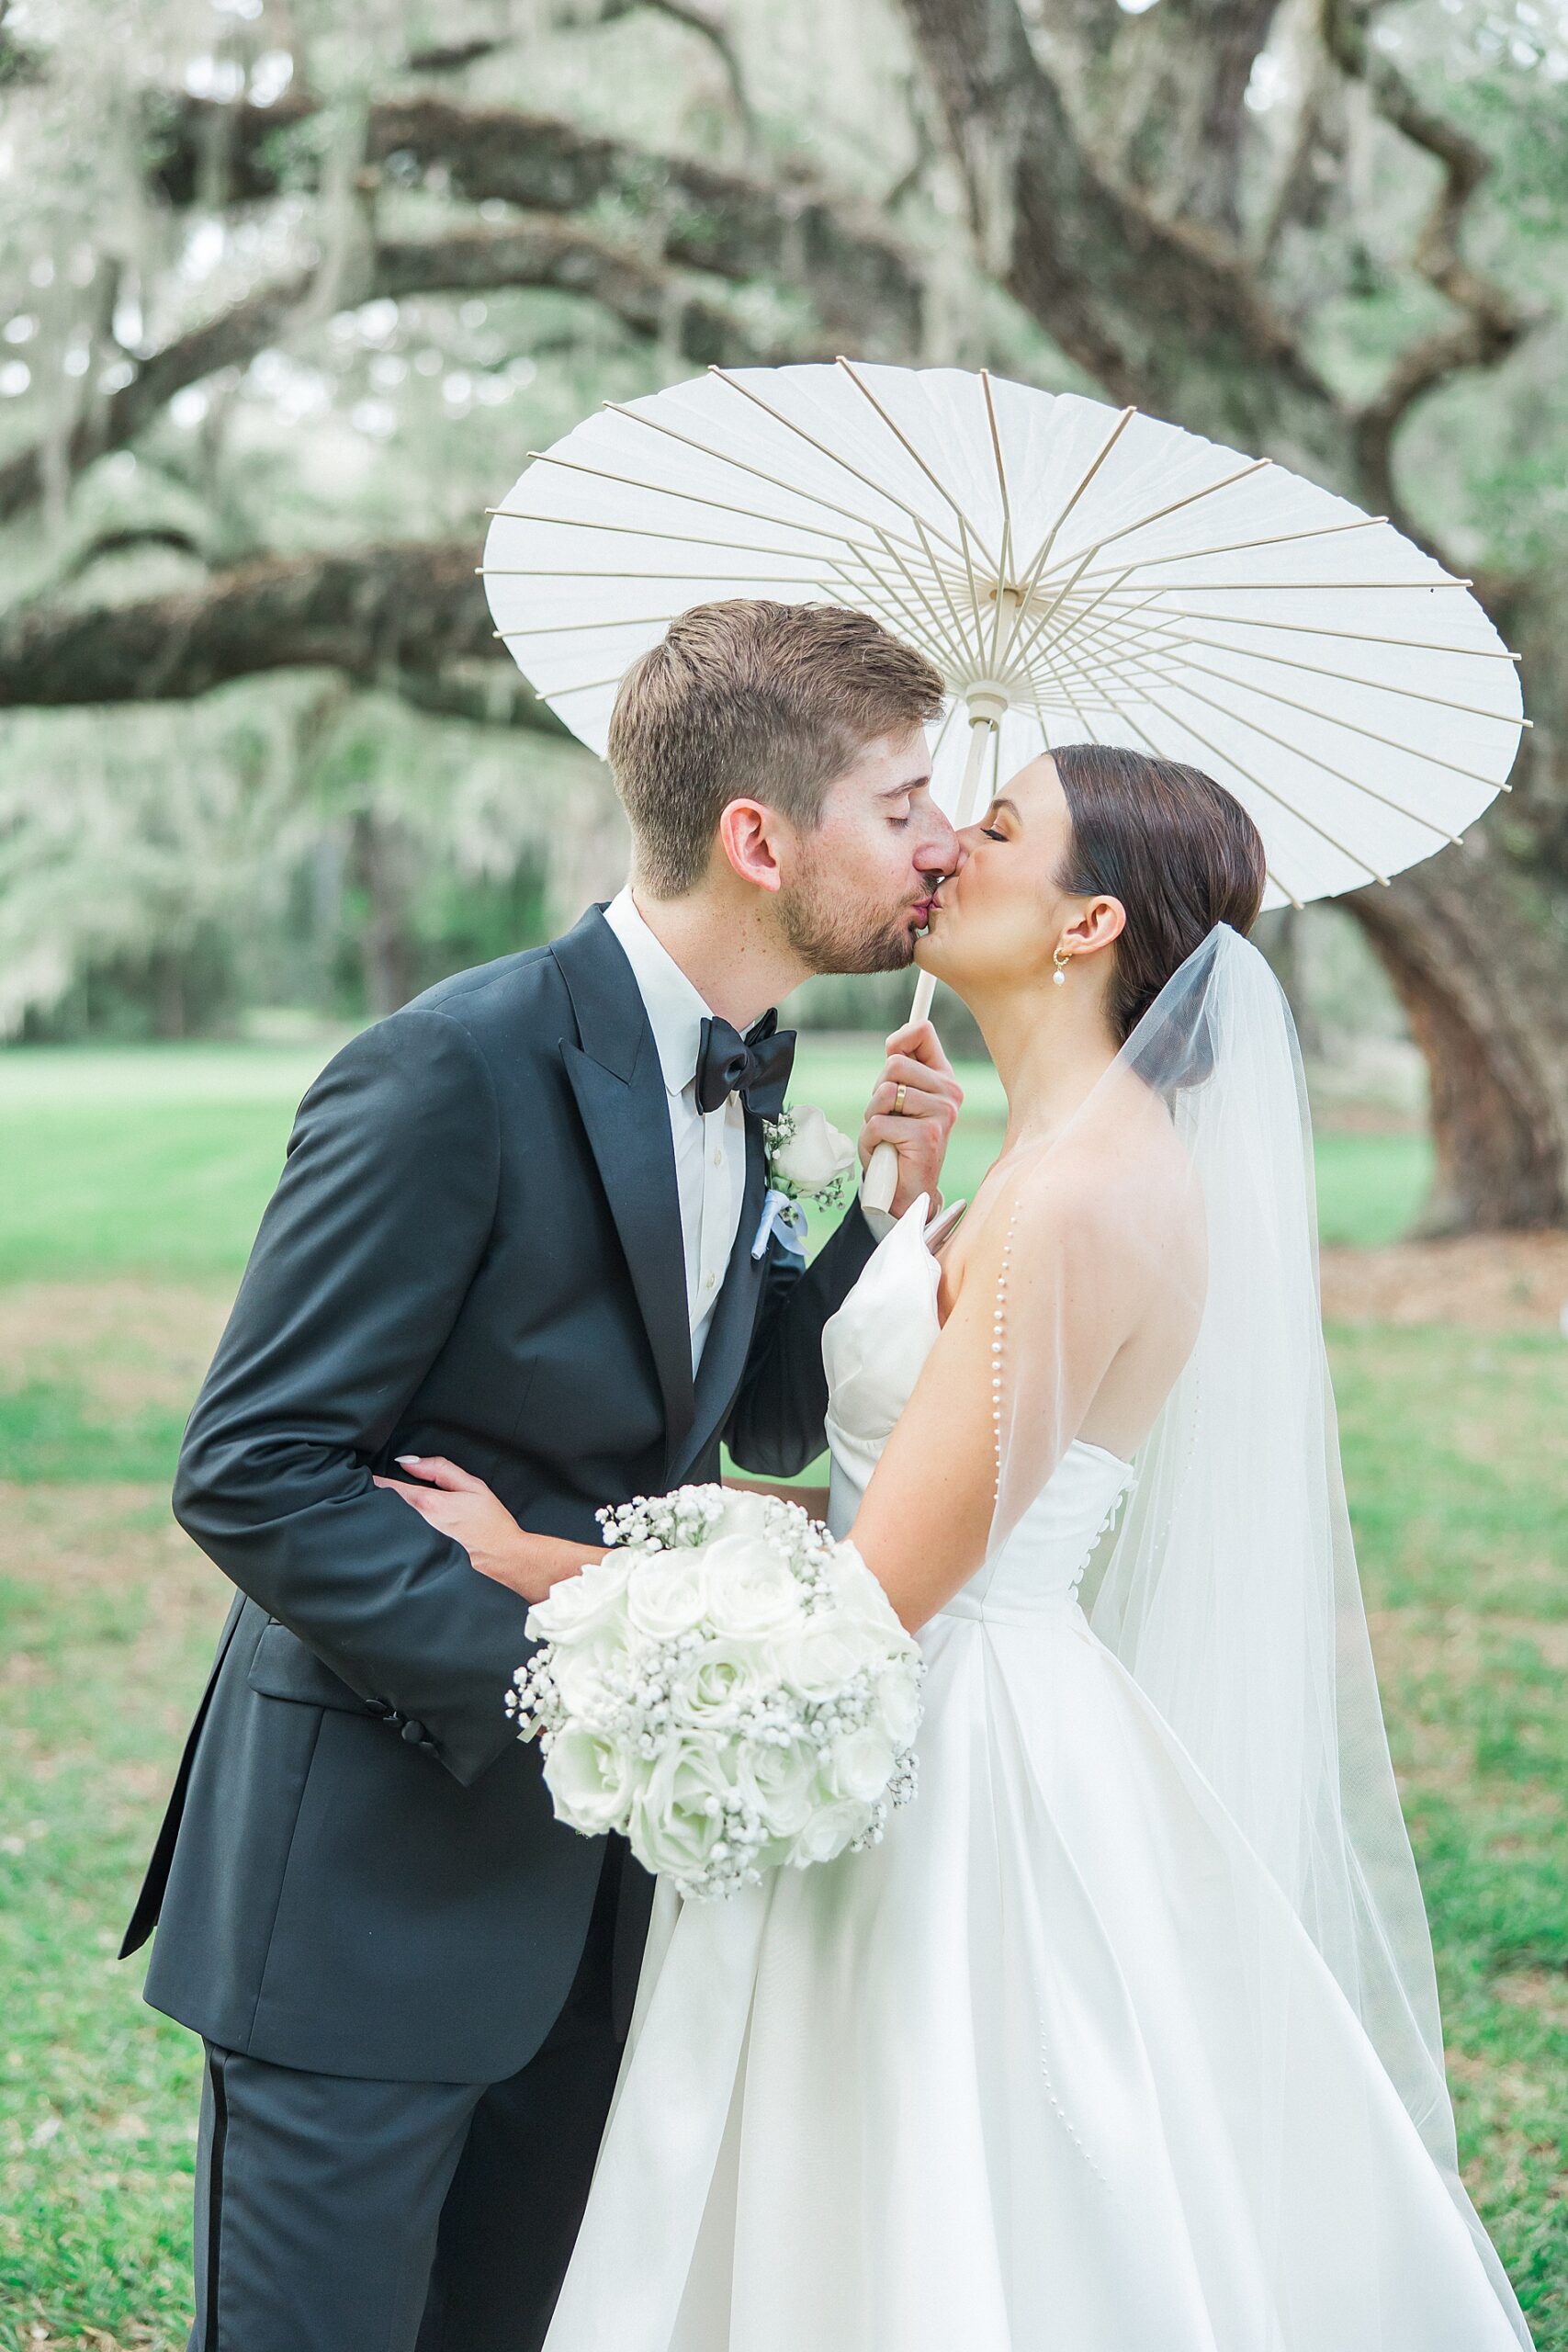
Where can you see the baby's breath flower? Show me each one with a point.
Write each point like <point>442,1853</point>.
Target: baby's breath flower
<point>714,1778</point>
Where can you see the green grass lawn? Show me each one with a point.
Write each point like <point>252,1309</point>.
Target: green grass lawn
<point>130,1187</point>
<point>159,1159</point>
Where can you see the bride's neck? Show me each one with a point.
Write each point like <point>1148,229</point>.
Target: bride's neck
<point>1050,1047</point>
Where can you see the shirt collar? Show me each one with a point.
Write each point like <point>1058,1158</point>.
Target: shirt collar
<point>675,1009</point>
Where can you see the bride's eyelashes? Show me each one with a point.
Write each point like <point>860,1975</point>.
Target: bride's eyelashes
<point>993,833</point>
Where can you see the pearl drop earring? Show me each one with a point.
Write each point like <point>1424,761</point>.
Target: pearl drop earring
<point>1061,957</point>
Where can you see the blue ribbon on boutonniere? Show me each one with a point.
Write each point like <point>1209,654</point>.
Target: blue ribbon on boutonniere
<point>784,1216</point>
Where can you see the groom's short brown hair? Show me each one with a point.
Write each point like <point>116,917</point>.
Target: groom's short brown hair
<point>752,700</point>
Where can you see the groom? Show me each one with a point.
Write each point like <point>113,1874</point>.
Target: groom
<point>516,1229</point>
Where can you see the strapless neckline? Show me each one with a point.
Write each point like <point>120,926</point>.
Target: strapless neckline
<point>873,1350</point>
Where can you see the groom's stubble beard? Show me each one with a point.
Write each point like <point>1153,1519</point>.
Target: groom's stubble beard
<point>830,934</point>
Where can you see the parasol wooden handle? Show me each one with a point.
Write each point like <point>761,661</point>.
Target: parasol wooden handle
<point>881,1180</point>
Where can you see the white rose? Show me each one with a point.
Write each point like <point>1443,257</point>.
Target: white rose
<point>667,1593</point>
<point>861,1595</point>
<point>578,1668</point>
<point>751,1589</point>
<point>815,1153</point>
<point>709,1693</point>
<point>742,1514</point>
<point>828,1828</point>
<point>672,1828</point>
<point>815,1657</point>
<point>896,1706</point>
<point>592,1780</point>
<point>578,1604</point>
<point>780,1782</point>
<point>859,1764</point>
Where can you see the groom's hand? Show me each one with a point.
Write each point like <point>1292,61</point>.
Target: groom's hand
<point>917,1124</point>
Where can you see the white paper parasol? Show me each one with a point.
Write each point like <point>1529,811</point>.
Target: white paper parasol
<point>1077,573</point>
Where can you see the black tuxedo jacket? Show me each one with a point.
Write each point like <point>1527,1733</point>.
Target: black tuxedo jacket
<point>474,1250</point>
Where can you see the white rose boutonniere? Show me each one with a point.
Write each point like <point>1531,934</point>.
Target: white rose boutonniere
<point>808,1156</point>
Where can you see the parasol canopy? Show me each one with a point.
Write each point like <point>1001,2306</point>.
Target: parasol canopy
<point>1077,573</point>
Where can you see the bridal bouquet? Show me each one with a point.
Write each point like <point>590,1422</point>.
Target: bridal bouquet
<point>728,1686</point>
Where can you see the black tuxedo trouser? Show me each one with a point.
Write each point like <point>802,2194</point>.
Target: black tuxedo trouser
<point>339,2215</point>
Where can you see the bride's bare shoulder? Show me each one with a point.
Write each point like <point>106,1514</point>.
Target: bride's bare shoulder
<point>1114,1192</point>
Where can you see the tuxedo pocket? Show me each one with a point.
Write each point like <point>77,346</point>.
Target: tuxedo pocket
<point>283,1668</point>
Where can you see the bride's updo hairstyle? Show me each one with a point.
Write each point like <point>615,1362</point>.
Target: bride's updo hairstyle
<point>1179,851</point>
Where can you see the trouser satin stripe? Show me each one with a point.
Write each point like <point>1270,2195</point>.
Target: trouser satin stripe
<point>216,2060</point>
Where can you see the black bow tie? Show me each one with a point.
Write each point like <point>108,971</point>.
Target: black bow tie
<point>756,1067</point>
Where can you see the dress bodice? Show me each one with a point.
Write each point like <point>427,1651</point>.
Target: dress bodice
<point>873,1350</point>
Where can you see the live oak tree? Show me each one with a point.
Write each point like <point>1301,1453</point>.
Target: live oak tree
<point>1104,157</point>
<point>1323,230</point>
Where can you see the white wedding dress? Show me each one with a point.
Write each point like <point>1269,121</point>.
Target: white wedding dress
<point>993,2085</point>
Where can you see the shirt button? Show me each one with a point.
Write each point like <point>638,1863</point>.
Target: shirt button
<point>718,1159</point>
<point>708,1281</point>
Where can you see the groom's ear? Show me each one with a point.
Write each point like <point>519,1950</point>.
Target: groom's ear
<point>750,835</point>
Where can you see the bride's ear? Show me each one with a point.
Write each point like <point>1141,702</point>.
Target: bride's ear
<point>1100,926</point>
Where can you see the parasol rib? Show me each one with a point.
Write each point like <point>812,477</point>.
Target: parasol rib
<point>1278,797</point>
<point>1240,546</point>
<point>905,443</point>
<point>1343,677</point>
<point>1357,636</point>
<point>1256,727</point>
<point>879,490</point>
<point>1352,726</point>
<point>1037,562</point>
<point>932,647</point>
<point>1153,747</point>
<point>657,489</point>
<point>1158,513</point>
<point>1004,568</point>
<point>741,466</point>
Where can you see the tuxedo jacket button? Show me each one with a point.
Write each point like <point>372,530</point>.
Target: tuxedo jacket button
<point>413,1733</point>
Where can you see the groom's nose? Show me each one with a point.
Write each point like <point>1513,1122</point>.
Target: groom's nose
<point>941,852</point>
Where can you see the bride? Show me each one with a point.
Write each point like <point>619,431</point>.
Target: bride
<point>1125,2039</point>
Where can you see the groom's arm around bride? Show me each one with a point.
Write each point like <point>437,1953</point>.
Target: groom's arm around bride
<point>515,1229</point>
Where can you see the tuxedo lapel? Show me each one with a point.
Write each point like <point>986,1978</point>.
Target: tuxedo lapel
<point>735,1313</point>
<point>619,1089</point>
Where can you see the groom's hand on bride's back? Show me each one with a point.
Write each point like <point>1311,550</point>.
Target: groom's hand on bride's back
<point>919,1124</point>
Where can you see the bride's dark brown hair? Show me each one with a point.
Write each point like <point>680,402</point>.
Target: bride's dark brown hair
<point>1179,851</point>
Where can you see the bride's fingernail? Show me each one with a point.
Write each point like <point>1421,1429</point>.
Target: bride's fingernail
<point>406,1458</point>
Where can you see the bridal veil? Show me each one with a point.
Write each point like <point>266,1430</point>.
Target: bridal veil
<point>1229,1588</point>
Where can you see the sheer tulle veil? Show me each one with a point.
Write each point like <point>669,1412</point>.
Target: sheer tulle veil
<point>1229,1588</point>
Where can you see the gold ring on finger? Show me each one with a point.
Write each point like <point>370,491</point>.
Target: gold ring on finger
<point>898,1102</point>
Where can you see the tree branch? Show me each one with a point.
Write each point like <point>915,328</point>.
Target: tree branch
<point>707,28</point>
<point>645,295</point>
<point>726,223</point>
<point>451,57</point>
<point>487,693</point>
<point>648,298</point>
<point>402,615</point>
<point>1162,313</point>
<point>20,65</point>
<point>131,540</point>
<point>1491,321</point>
<point>1158,94</point>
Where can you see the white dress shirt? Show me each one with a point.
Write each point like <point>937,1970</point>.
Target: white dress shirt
<point>710,1146</point>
